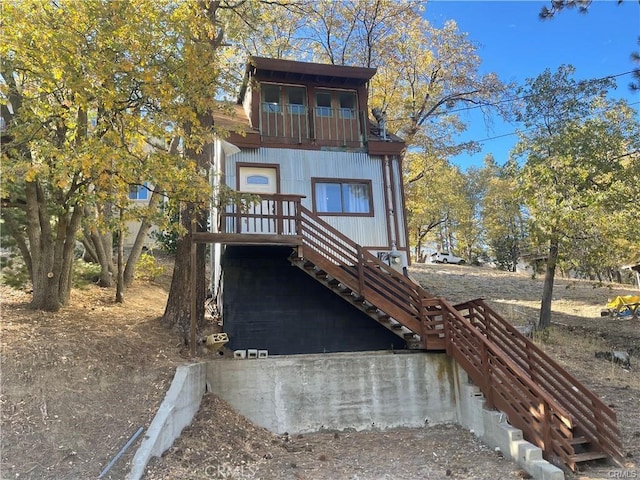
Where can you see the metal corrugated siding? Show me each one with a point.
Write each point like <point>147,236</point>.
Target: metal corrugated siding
<point>397,176</point>
<point>297,167</point>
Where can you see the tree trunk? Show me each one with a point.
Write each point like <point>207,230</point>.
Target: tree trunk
<point>18,236</point>
<point>99,246</point>
<point>120,279</point>
<point>136,249</point>
<point>68,227</point>
<point>51,249</point>
<point>145,225</point>
<point>177,314</point>
<point>547,290</point>
<point>103,248</point>
<point>515,255</point>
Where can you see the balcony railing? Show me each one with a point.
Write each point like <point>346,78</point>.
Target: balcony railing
<point>298,124</point>
<point>272,214</point>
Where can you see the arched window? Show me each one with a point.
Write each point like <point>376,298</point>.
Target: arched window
<point>257,180</point>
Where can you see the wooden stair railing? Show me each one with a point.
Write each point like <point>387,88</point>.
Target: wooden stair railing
<point>595,421</point>
<point>362,272</point>
<point>527,405</point>
<point>553,409</point>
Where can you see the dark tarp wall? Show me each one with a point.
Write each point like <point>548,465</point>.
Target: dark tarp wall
<point>269,304</point>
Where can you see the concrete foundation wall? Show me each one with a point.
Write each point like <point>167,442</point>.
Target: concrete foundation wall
<point>361,391</point>
<point>177,410</point>
<point>306,393</point>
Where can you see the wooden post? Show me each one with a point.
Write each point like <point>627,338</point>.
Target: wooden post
<point>486,373</point>
<point>192,265</point>
<point>546,427</point>
<point>279,215</point>
<point>360,270</point>
<point>448,320</point>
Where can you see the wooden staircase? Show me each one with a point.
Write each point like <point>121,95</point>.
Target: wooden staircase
<point>553,409</point>
<point>359,301</point>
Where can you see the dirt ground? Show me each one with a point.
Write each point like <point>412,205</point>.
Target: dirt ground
<point>78,383</point>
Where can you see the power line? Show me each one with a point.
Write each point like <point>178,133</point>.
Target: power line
<point>507,100</point>
<point>526,130</point>
<point>513,99</point>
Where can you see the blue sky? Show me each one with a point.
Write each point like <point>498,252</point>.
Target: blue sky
<point>516,45</point>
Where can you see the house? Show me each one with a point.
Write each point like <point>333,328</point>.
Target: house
<point>314,260</point>
<point>301,138</point>
<point>635,268</point>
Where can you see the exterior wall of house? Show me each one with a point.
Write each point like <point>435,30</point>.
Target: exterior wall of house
<point>306,125</point>
<point>132,226</point>
<point>268,304</point>
<point>297,168</point>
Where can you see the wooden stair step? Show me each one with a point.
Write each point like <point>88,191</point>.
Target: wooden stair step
<point>333,282</point>
<point>580,440</point>
<point>396,326</point>
<point>588,456</point>
<point>409,335</point>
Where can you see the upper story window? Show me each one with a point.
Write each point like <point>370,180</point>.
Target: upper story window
<point>139,192</point>
<point>275,97</point>
<point>347,102</point>
<point>271,98</point>
<point>296,97</point>
<point>323,104</point>
<point>342,197</point>
<point>330,101</point>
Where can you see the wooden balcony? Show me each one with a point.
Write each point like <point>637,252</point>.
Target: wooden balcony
<point>322,126</point>
<point>272,220</point>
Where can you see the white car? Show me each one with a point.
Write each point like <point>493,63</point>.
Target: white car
<point>446,257</point>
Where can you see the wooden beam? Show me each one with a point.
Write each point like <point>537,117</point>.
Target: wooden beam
<point>193,291</point>
<point>246,238</point>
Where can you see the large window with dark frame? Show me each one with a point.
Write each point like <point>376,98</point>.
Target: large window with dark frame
<point>342,197</point>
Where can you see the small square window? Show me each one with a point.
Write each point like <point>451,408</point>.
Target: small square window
<point>139,192</point>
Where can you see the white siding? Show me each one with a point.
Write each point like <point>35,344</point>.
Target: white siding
<point>298,167</point>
